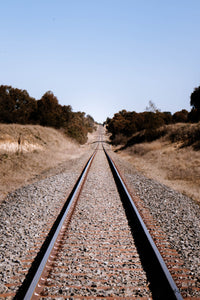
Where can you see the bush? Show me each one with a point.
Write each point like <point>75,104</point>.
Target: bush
<point>194,116</point>
<point>16,106</point>
<point>147,135</point>
<point>119,139</point>
<point>180,116</point>
<point>188,135</point>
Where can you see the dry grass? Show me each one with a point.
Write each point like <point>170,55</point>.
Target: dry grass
<point>185,134</point>
<point>40,149</point>
<point>142,149</point>
<point>168,162</point>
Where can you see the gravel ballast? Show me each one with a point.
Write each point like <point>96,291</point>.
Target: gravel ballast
<point>26,216</point>
<point>176,214</point>
<point>99,257</point>
<point>28,211</point>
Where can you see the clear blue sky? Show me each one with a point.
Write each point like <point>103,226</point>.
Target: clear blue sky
<point>102,56</point>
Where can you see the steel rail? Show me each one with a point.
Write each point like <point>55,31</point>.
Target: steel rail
<point>34,282</point>
<point>172,285</point>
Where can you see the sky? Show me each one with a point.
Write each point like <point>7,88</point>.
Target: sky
<point>102,56</point>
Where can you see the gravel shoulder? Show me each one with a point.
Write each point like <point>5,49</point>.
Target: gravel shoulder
<point>42,151</point>
<point>177,214</point>
<point>99,257</point>
<point>27,212</point>
<point>26,216</point>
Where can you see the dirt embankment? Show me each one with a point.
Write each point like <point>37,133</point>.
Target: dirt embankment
<point>28,150</point>
<point>31,152</point>
<point>168,163</point>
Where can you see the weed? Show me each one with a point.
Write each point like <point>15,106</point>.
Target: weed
<point>3,156</point>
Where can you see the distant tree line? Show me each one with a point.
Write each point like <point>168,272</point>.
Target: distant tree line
<point>16,106</point>
<point>125,123</point>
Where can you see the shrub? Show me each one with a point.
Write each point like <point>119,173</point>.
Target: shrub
<point>16,106</point>
<point>188,135</point>
<point>180,116</point>
<point>147,135</point>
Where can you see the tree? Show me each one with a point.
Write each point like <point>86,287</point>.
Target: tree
<point>16,106</point>
<point>152,120</point>
<point>194,115</point>
<point>77,128</point>
<point>66,114</point>
<point>6,105</point>
<point>195,99</point>
<point>49,111</point>
<point>89,123</point>
<point>180,116</point>
<point>167,117</point>
<point>152,107</point>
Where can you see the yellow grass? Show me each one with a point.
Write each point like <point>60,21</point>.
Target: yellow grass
<point>26,151</point>
<point>167,163</point>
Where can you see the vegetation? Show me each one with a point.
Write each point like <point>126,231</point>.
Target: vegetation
<point>194,115</point>
<point>195,98</point>
<point>186,135</point>
<point>42,152</point>
<point>168,159</point>
<point>129,128</point>
<point>125,124</point>
<point>16,106</point>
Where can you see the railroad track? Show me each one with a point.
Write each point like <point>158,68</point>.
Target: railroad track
<point>99,246</point>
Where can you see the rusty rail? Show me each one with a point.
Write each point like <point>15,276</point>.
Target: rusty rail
<point>27,290</point>
<point>162,283</point>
